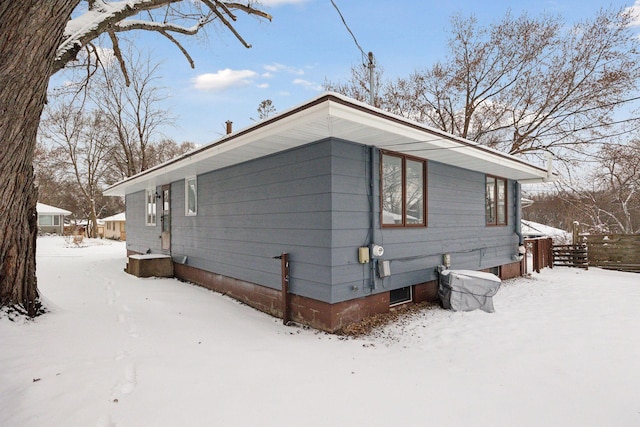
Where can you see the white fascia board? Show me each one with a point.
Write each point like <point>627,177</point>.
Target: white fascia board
<point>333,115</point>
<point>194,163</point>
<point>434,144</point>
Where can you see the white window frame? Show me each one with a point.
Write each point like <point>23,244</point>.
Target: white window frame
<point>187,181</point>
<point>55,220</point>
<point>150,205</point>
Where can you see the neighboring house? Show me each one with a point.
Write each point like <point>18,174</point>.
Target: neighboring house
<point>114,226</point>
<point>50,218</point>
<point>534,230</point>
<point>100,227</point>
<point>324,182</point>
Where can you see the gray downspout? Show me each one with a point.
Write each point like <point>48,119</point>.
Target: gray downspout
<point>518,203</point>
<point>374,199</point>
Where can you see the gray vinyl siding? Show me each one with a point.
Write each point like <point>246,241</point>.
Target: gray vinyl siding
<point>314,202</point>
<point>250,213</point>
<point>352,199</point>
<point>456,225</point>
<point>140,237</point>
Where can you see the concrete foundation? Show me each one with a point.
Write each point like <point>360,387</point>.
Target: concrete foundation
<point>150,265</point>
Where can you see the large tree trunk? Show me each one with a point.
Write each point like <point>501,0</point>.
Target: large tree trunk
<point>30,32</point>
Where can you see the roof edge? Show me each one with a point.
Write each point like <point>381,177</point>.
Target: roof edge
<point>330,97</point>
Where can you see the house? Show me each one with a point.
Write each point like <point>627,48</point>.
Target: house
<point>50,219</point>
<point>533,230</point>
<point>100,227</point>
<point>364,205</point>
<point>114,226</point>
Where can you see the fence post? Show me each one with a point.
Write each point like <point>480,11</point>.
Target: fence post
<point>576,232</point>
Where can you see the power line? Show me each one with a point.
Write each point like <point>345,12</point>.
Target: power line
<point>611,104</point>
<point>367,59</point>
<point>364,55</point>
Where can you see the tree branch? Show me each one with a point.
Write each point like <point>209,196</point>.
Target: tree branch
<point>118,54</point>
<point>215,10</point>
<point>112,17</point>
<point>182,49</point>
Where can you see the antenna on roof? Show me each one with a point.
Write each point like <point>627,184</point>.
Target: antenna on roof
<point>368,59</point>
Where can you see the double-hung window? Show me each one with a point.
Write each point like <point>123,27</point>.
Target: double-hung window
<point>191,196</point>
<point>496,200</point>
<point>150,218</point>
<point>403,190</point>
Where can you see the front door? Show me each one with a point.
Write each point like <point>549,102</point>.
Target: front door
<point>166,218</point>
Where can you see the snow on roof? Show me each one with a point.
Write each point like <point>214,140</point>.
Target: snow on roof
<point>331,115</point>
<point>117,217</point>
<point>43,209</point>
<point>530,228</point>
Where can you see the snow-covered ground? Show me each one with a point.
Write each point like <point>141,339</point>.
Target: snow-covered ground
<point>562,349</point>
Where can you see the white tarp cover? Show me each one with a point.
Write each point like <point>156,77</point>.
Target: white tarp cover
<point>466,290</point>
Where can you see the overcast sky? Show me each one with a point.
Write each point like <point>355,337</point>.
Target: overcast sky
<point>307,43</point>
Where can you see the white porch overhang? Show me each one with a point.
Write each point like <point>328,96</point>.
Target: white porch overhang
<point>333,115</point>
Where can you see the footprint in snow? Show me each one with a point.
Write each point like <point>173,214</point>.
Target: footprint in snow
<point>105,422</point>
<point>126,386</point>
<point>133,331</point>
<point>111,298</point>
<point>131,379</point>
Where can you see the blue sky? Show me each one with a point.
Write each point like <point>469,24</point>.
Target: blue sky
<point>306,43</point>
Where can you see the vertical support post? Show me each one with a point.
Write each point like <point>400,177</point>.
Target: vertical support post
<point>284,265</point>
<point>372,83</point>
<point>523,263</point>
<point>576,232</point>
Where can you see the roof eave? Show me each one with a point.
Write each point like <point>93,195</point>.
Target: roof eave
<point>333,115</point>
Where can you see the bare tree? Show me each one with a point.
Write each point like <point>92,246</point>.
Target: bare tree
<point>522,85</point>
<point>266,109</point>
<point>37,39</point>
<point>57,185</point>
<point>550,209</point>
<point>132,105</point>
<point>619,176</point>
<point>607,199</point>
<point>82,149</point>
<point>167,149</point>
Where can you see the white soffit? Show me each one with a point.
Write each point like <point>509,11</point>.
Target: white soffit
<point>332,115</point>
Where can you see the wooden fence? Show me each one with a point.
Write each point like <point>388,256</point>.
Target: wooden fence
<point>571,256</point>
<point>540,249</point>
<point>613,251</point>
<point>609,251</point>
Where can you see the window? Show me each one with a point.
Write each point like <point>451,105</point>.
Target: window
<point>49,220</point>
<point>403,190</point>
<point>496,201</point>
<point>400,296</point>
<point>191,196</point>
<point>151,207</point>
